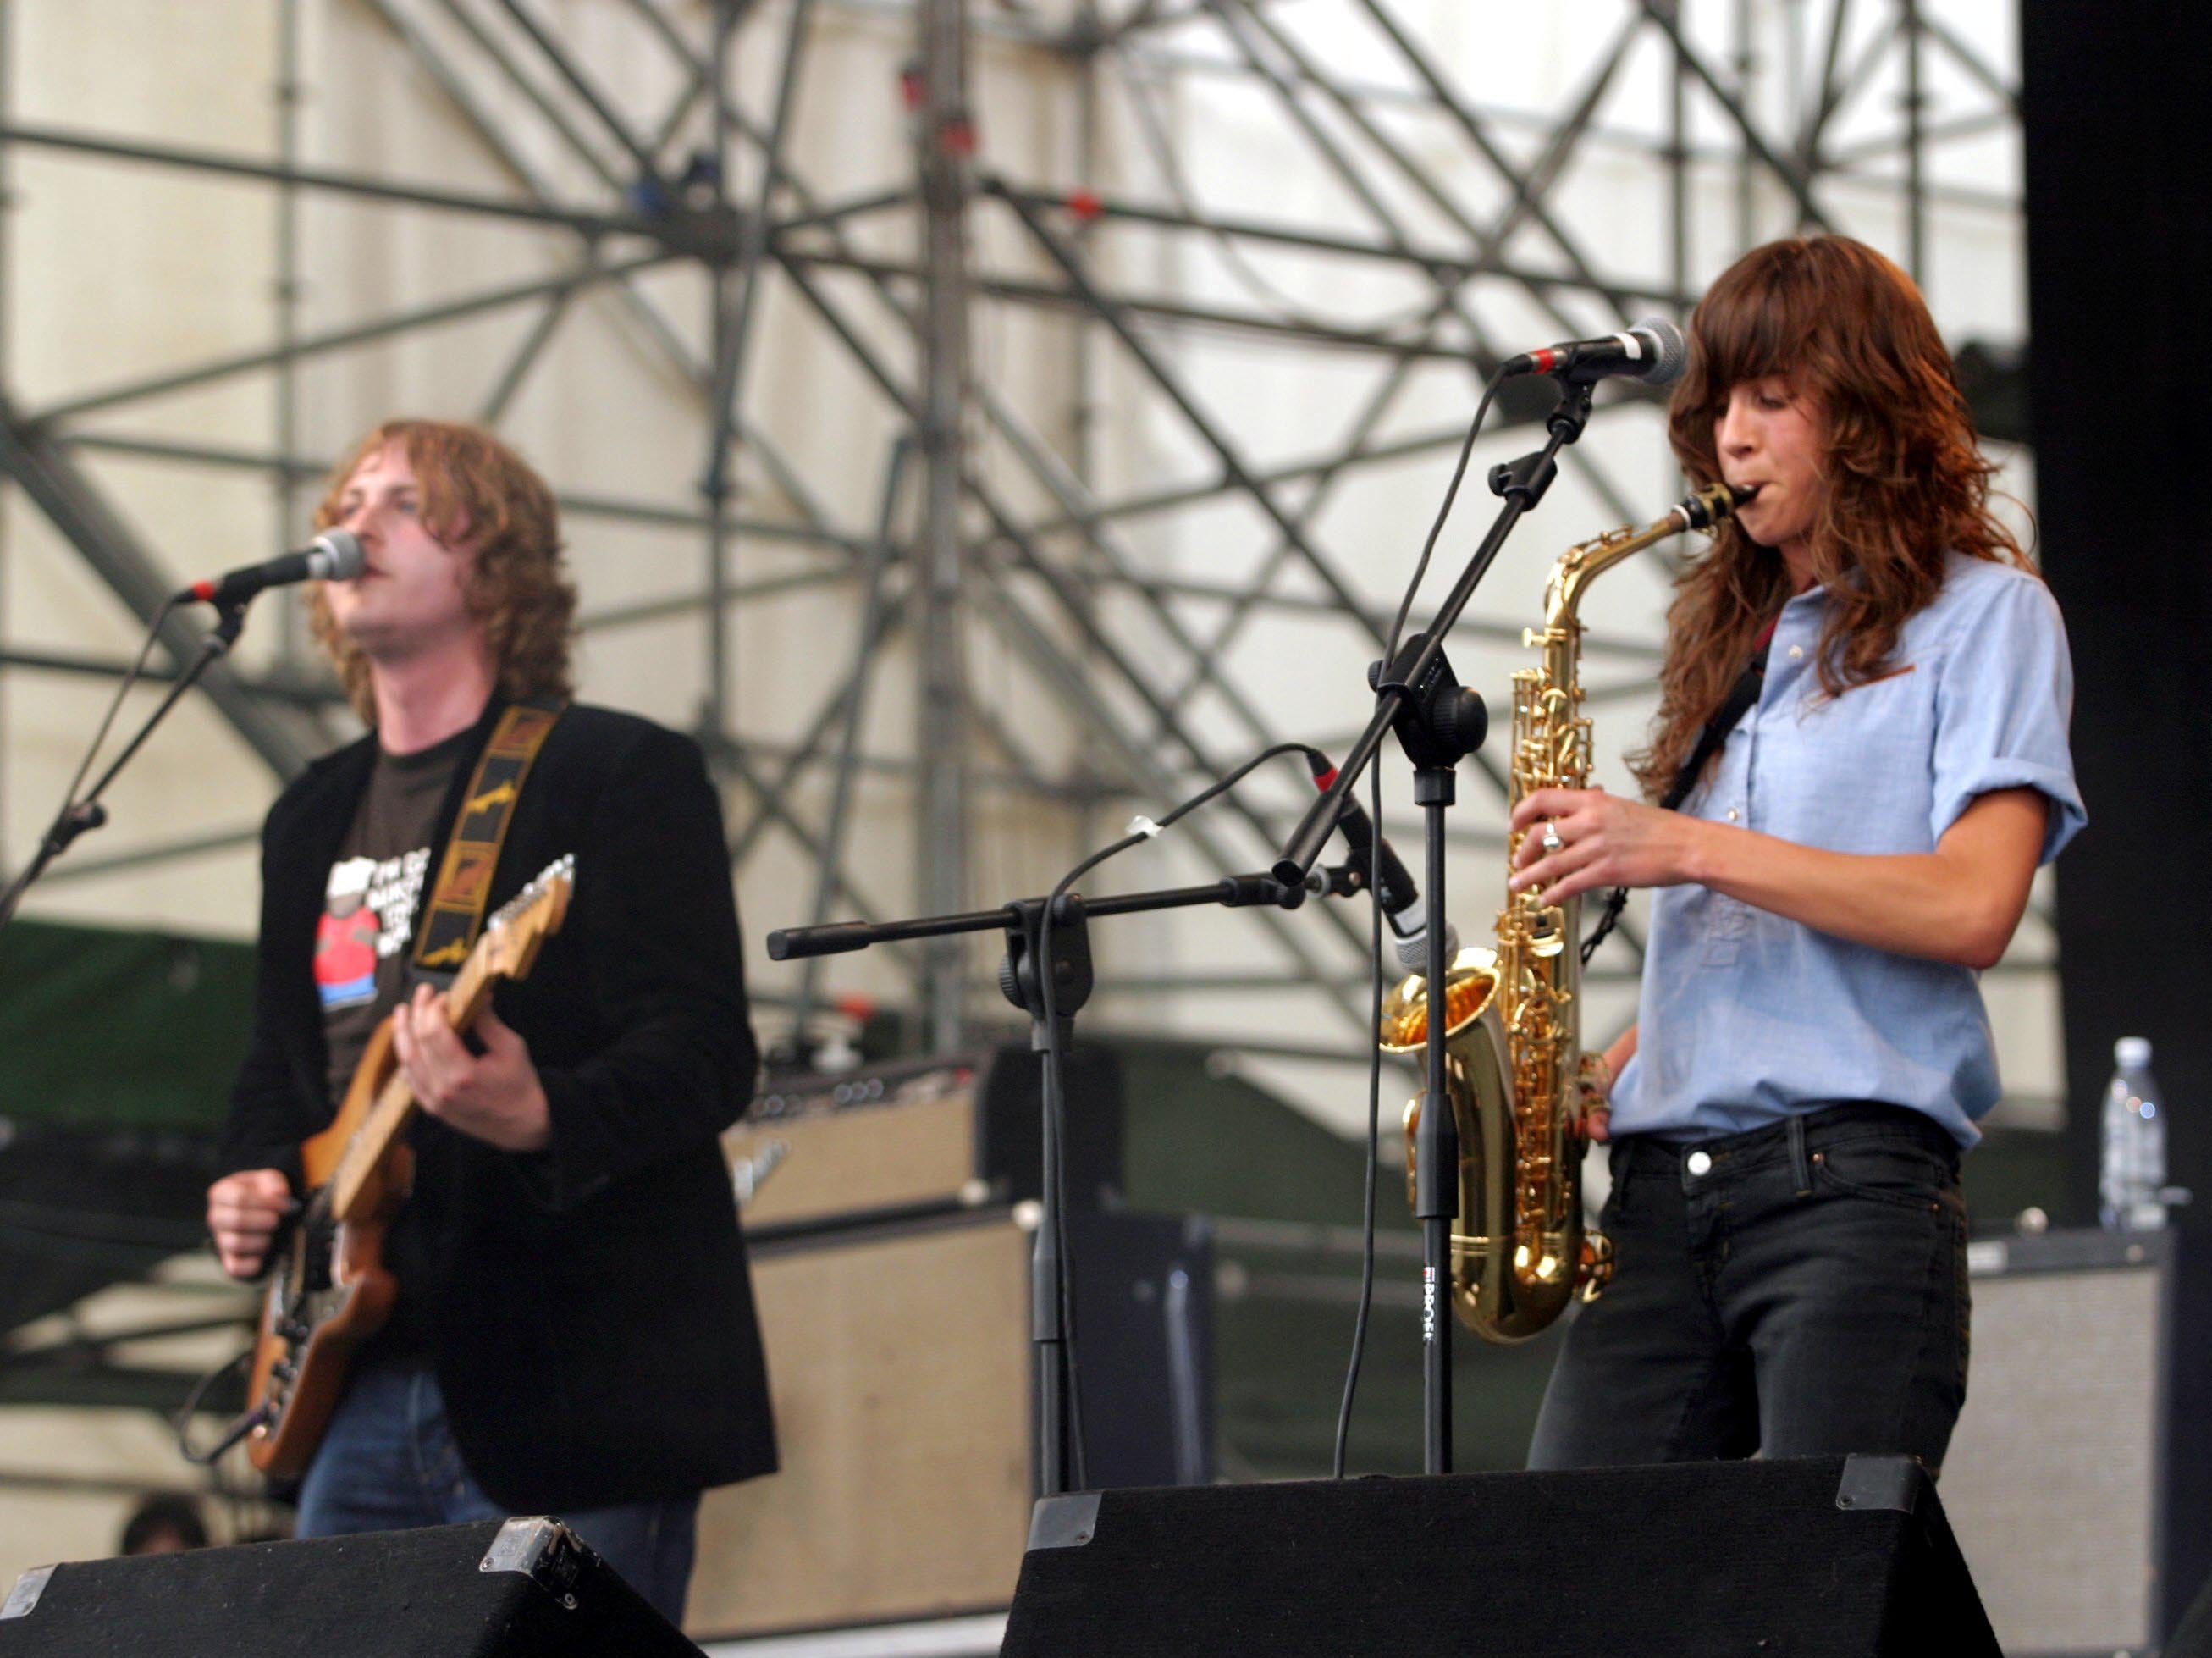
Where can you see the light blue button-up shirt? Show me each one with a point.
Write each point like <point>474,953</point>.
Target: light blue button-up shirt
<point>1746,1017</point>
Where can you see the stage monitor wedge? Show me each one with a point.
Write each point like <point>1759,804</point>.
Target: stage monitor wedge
<point>1825,1557</point>
<point>514,1588</point>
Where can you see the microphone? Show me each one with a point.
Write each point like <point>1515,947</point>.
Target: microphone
<point>333,556</point>
<point>1652,351</point>
<point>1402,905</point>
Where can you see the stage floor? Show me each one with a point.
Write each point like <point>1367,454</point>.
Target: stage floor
<point>977,1637</point>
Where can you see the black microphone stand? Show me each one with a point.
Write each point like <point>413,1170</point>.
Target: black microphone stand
<point>1022,979</point>
<point>1438,722</point>
<point>78,815</point>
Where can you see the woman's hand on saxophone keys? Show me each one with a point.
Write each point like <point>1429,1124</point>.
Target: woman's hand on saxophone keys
<point>1597,839</point>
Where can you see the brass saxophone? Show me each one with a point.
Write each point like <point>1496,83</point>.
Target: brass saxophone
<point>1513,1064</point>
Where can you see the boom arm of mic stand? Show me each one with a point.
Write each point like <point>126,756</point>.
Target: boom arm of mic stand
<point>1522,487</point>
<point>841,937</point>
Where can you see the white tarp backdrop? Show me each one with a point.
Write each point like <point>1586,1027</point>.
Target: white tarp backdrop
<point>1234,127</point>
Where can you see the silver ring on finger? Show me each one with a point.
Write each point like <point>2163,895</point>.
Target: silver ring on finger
<point>1550,841</point>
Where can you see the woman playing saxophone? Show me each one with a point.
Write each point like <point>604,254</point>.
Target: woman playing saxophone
<point>1811,1050</point>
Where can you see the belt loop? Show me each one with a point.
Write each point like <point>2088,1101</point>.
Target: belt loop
<point>1798,1164</point>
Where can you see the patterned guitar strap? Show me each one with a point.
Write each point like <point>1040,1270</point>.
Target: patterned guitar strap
<point>455,912</point>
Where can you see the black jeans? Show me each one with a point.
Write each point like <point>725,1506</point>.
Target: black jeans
<point>1796,1290</point>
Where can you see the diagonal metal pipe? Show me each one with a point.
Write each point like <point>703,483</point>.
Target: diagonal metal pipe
<point>1793,177</point>
<point>524,357</point>
<point>336,339</point>
<point>1035,454</point>
<point>587,90</point>
<point>511,70</point>
<point>876,616</point>
<point>330,181</point>
<point>1035,644</point>
<point>285,737</point>
<point>1526,203</point>
<point>1170,385</point>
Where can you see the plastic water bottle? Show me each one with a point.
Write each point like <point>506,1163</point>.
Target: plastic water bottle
<point>2132,1191</point>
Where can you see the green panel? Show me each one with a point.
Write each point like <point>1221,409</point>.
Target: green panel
<point>101,1027</point>
<point>1201,1144</point>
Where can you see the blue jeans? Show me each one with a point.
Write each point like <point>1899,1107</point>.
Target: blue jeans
<point>1796,1290</point>
<point>388,1463</point>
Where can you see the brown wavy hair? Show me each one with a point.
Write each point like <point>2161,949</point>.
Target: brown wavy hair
<point>1905,480</point>
<point>475,491</point>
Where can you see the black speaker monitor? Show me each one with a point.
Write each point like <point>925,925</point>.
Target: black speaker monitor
<point>1827,1558</point>
<point>514,1588</point>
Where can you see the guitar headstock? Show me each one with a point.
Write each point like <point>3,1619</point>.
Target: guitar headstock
<point>512,937</point>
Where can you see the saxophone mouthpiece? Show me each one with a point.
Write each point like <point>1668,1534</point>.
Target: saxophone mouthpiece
<point>1701,509</point>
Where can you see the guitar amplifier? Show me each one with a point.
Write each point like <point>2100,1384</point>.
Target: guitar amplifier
<point>921,1137</point>
<point>2080,1480</point>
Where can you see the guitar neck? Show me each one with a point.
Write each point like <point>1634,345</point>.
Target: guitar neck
<point>395,1106</point>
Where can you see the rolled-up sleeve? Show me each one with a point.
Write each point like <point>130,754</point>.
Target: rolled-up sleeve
<point>2005,700</point>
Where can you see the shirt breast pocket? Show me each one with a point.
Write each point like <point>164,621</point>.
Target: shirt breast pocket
<point>1726,931</point>
<point>1720,923</point>
<point>1854,774</point>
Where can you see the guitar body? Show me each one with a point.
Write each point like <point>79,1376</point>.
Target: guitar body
<point>328,1290</point>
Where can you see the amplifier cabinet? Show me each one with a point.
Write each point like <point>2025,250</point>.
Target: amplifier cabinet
<point>899,1362</point>
<point>2080,1480</point>
<point>921,1135</point>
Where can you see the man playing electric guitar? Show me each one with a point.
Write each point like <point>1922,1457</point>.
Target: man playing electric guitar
<point>574,1332</point>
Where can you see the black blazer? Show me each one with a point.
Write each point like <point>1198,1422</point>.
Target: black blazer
<point>592,1321</point>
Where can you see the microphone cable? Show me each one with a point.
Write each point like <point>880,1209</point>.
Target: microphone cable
<point>1375,958</point>
<point>1143,829</point>
<point>12,894</point>
<point>1374,1129</point>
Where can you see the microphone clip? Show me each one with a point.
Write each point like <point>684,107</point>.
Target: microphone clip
<point>229,619</point>
<point>1527,477</point>
<point>1524,480</point>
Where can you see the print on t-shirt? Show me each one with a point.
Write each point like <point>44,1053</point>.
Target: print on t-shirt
<point>369,916</point>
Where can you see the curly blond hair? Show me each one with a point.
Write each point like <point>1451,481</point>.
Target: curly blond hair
<point>475,491</point>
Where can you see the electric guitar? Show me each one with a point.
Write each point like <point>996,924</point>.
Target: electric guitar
<point>329,1290</point>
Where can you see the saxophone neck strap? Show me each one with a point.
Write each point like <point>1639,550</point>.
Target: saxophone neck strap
<point>1734,706</point>
<point>455,913</point>
<point>1738,702</point>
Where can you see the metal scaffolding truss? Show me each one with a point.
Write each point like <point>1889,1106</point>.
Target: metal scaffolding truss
<point>989,524</point>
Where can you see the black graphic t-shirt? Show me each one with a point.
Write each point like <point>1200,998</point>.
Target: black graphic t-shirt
<point>364,949</point>
<point>374,890</point>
